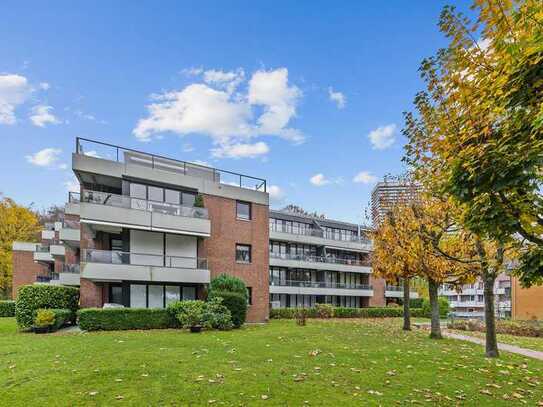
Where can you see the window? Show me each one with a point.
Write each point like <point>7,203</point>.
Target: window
<point>243,210</point>
<point>249,295</point>
<point>115,294</point>
<point>243,253</point>
<point>156,194</point>
<point>188,199</point>
<point>173,197</point>
<point>138,191</point>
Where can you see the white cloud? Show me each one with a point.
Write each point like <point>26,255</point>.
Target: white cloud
<point>242,150</point>
<point>41,116</point>
<point>72,185</point>
<point>14,91</point>
<point>231,118</point>
<point>365,177</point>
<point>337,97</point>
<point>193,71</point>
<point>277,195</point>
<point>44,86</point>
<point>44,158</point>
<point>201,162</point>
<point>92,153</point>
<point>319,180</point>
<point>187,148</point>
<point>383,137</point>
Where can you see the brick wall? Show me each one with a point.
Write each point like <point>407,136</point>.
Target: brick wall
<point>25,270</point>
<point>527,303</point>
<point>91,294</point>
<point>220,249</point>
<point>378,299</point>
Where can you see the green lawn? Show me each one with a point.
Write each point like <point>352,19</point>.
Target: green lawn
<point>522,341</point>
<point>365,362</point>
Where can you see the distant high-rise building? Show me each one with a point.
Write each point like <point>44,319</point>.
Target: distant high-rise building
<point>388,193</point>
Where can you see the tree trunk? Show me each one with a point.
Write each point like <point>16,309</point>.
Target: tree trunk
<point>406,311</point>
<point>435,329</point>
<point>491,343</point>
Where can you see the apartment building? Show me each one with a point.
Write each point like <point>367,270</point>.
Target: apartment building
<point>469,300</point>
<point>318,260</point>
<point>390,192</point>
<point>146,230</point>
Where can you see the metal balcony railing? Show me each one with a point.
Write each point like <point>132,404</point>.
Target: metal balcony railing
<point>317,233</point>
<point>393,288</point>
<point>318,259</point>
<point>113,152</point>
<point>319,284</point>
<point>74,197</point>
<point>124,201</point>
<point>71,268</point>
<point>141,259</point>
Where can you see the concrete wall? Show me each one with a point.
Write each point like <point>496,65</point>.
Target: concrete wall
<point>220,249</point>
<point>527,303</point>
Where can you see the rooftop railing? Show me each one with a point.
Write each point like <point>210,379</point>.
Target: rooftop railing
<point>113,152</point>
<point>318,259</point>
<point>141,259</point>
<point>318,233</point>
<point>124,201</point>
<point>319,284</point>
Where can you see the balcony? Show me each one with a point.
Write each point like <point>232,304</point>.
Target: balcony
<point>70,274</point>
<point>47,234</point>
<point>396,291</point>
<point>318,237</point>
<point>318,263</point>
<point>42,254</point>
<point>57,250</point>
<point>467,304</point>
<point>125,211</point>
<point>116,265</point>
<point>320,288</point>
<point>70,232</point>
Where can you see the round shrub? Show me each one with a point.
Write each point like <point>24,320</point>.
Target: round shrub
<point>191,313</point>
<point>216,315</point>
<point>226,283</point>
<point>324,310</point>
<point>44,318</point>
<point>236,304</point>
<point>30,298</point>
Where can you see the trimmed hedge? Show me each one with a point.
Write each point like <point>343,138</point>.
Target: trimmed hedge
<point>30,298</point>
<point>235,302</point>
<point>7,308</point>
<point>443,307</point>
<point>227,283</point>
<point>343,312</point>
<point>413,302</point>
<point>114,319</point>
<point>62,317</point>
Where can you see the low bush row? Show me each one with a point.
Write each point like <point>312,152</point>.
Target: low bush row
<point>113,319</point>
<point>7,309</point>
<point>53,319</point>
<point>30,298</point>
<point>343,312</point>
<point>516,328</point>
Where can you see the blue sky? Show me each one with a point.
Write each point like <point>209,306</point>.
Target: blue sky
<point>308,95</point>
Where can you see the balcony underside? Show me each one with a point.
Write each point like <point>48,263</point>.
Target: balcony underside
<point>71,236</point>
<point>277,289</point>
<point>399,294</point>
<point>319,265</point>
<point>145,220</point>
<point>104,272</point>
<point>355,246</point>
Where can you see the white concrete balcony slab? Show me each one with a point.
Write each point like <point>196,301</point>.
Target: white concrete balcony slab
<point>47,234</point>
<point>318,263</point>
<point>42,253</point>
<point>466,304</point>
<point>57,250</point>
<point>316,237</point>
<point>320,288</point>
<point>124,211</point>
<point>70,235</point>
<point>110,265</point>
<point>397,292</point>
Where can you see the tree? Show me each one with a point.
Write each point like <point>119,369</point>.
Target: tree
<point>480,124</point>
<point>16,223</point>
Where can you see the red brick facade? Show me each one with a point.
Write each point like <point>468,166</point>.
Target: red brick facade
<point>220,249</point>
<point>25,270</point>
<point>378,299</point>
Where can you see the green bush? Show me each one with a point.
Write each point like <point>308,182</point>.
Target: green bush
<point>30,298</point>
<point>413,302</point>
<point>301,316</point>
<point>54,318</point>
<point>344,312</point>
<point>515,328</point>
<point>324,310</point>
<point>236,304</point>
<point>227,283</point>
<point>443,307</point>
<point>113,319</point>
<point>191,313</point>
<point>7,308</point>
<point>216,315</point>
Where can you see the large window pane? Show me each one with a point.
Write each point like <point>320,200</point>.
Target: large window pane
<point>243,253</point>
<point>173,197</point>
<point>189,293</point>
<point>156,194</point>
<point>138,297</point>
<point>116,294</point>
<point>156,296</point>
<point>138,191</point>
<point>243,210</point>
<point>188,199</point>
<point>172,293</point>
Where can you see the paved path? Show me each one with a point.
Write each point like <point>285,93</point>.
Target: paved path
<point>501,346</point>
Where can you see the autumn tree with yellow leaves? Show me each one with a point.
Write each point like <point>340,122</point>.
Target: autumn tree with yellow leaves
<point>16,223</point>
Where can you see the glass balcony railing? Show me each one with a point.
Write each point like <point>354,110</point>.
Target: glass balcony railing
<point>124,201</point>
<point>319,284</point>
<point>319,259</point>
<point>318,233</point>
<point>42,249</point>
<point>141,259</point>
<point>71,224</point>
<point>71,268</point>
<point>74,197</point>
